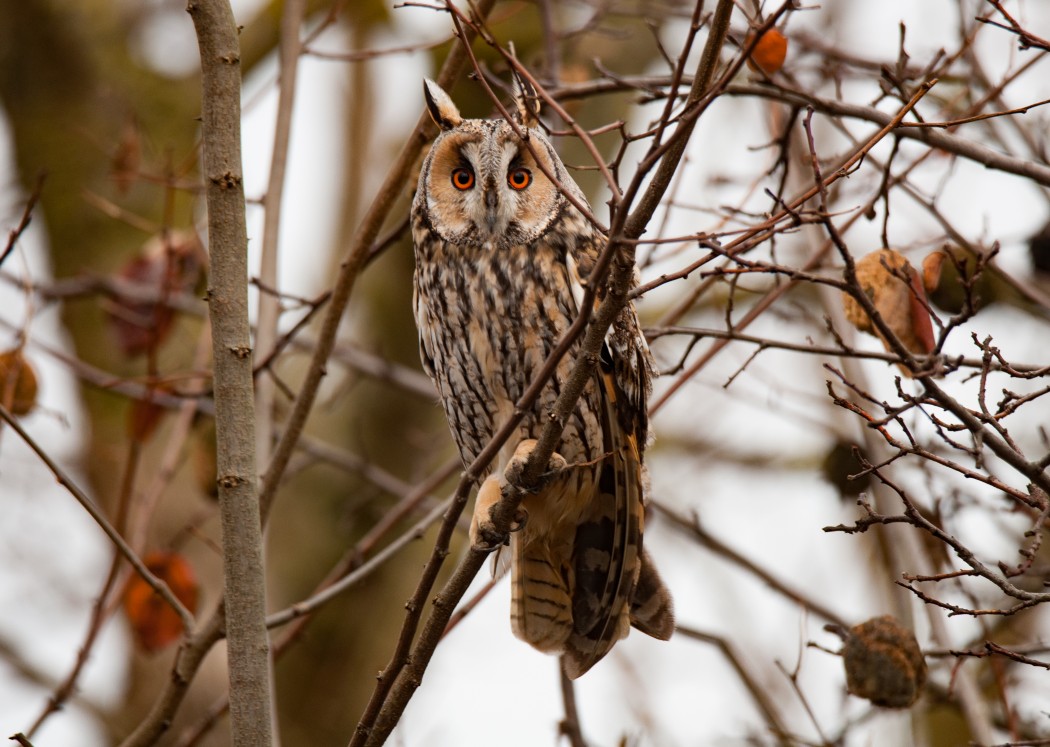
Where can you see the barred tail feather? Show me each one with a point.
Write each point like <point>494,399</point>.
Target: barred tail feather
<point>583,651</point>
<point>652,610</point>
<point>541,609</point>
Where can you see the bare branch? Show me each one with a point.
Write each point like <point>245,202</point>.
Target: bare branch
<point>245,590</point>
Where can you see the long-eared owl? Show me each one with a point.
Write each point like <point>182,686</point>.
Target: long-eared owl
<point>501,261</point>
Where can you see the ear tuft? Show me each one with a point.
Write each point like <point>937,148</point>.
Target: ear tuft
<point>527,102</point>
<point>439,104</point>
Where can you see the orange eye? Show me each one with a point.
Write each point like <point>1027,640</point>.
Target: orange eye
<point>519,178</point>
<point>463,178</point>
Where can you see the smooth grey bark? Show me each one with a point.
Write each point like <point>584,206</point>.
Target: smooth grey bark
<point>245,594</point>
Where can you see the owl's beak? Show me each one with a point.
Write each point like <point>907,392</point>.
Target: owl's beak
<point>491,209</point>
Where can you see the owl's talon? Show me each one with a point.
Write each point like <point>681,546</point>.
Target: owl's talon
<point>553,472</point>
<point>487,539</point>
<point>521,518</point>
<point>516,466</point>
<point>483,534</point>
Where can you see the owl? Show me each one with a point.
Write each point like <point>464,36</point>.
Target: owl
<point>501,260</point>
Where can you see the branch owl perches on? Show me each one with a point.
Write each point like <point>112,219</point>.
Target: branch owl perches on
<point>501,254</point>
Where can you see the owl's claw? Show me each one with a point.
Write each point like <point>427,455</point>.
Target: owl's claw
<point>486,538</point>
<point>521,518</point>
<point>516,467</point>
<point>483,534</point>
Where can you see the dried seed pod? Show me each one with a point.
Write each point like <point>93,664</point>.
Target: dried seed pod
<point>18,385</point>
<point>884,663</point>
<point>901,304</point>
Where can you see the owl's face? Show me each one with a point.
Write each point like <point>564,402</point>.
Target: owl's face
<point>482,186</point>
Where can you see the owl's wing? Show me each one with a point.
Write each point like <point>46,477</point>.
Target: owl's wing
<point>608,542</point>
<point>615,582</point>
<point>625,347</point>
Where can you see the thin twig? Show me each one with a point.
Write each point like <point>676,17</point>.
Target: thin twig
<point>23,223</point>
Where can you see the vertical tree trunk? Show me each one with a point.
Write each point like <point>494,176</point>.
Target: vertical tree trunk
<point>248,643</point>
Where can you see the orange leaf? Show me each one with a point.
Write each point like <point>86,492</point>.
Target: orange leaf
<point>153,621</point>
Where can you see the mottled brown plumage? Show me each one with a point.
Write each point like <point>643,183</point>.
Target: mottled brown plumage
<point>500,258</point>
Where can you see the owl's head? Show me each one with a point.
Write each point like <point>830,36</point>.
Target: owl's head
<point>481,186</point>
